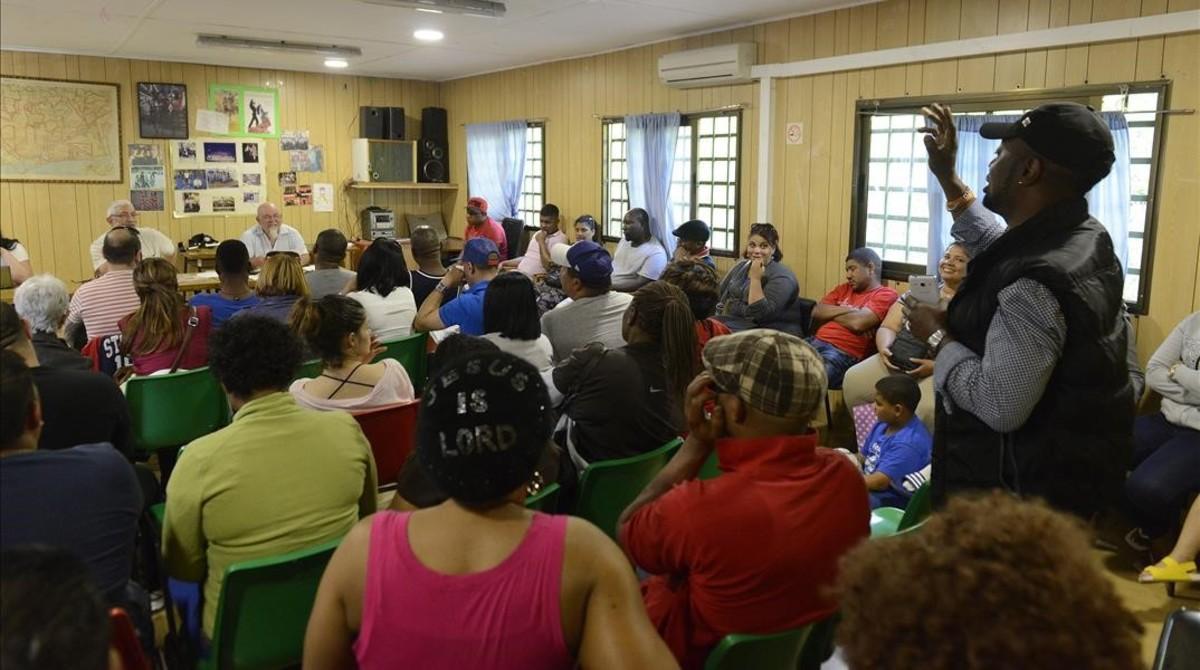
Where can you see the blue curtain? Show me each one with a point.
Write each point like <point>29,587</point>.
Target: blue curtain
<point>1108,201</point>
<point>496,165</point>
<point>650,152</point>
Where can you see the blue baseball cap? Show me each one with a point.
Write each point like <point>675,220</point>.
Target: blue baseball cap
<point>589,261</point>
<point>481,252</point>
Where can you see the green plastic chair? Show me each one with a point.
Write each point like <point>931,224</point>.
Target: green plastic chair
<point>711,467</point>
<point>545,500</point>
<point>410,351</point>
<point>887,521</point>
<point>819,646</point>
<point>607,487</point>
<point>168,411</point>
<point>308,370</point>
<point>263,610</point>
<point>777,651</point>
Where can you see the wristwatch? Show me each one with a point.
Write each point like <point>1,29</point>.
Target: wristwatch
<point>441,287</point>
<point>935,340</point>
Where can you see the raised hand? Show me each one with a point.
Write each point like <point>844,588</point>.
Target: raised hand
<point>941,139</point>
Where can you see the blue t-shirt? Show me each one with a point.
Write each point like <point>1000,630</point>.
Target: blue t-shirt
<point>222,307</point>
<point>901,453</point>
<point>466,311</point>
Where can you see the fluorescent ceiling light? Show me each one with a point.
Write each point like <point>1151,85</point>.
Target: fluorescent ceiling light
<point>334,50</point>
<point>490,9</point>
<point>427,35</point>
<point>336,63</point>
<point>429,11</point>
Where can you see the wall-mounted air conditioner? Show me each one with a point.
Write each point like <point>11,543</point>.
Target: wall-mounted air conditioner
<point>714,66</point>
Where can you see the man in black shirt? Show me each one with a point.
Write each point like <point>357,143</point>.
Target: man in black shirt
<point>79,407</point>
<point>42,303</point>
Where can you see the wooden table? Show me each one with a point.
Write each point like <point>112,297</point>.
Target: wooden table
<point>198,256</point>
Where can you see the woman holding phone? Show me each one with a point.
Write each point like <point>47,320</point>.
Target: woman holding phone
<point>899,351</point>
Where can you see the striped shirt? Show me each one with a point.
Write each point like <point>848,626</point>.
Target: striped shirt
<point>102,302</point>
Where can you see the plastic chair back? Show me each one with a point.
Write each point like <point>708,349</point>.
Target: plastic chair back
<point>777,650</point>
<point>410,351</point>
<point>308,370</point>
<point>124,639</point>
<point>545,500</point>
<point>1179,644</point>
<point>819,646</point>
<point>607,487</point>
<point>264,607</point>
<point>711,467</point>
<point>514,229</point>
<point>392,432</point>
<point>917,509</point>
<point>171,410</point>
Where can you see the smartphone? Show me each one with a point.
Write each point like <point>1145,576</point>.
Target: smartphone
<point>924,288</point>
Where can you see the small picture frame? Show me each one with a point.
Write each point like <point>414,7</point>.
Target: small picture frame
<point>162,110</point>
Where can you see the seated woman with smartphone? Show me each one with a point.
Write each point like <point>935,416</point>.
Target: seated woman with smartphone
<point>899,350</point>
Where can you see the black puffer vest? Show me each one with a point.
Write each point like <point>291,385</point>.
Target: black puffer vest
<point>1073,449</point>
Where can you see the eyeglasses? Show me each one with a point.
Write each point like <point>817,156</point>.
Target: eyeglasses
<point>289,254</point>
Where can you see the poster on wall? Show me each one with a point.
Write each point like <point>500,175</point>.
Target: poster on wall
<point>216,177</point>
<point>162,110</point>
<point>60,131</point>
<point>252,111</point>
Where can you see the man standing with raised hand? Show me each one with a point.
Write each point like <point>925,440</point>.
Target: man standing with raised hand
<point>1034,391</point>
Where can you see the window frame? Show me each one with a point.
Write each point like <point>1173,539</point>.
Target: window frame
<point>529,125</point>
<point>1023,99</point>
<point>693,121</point>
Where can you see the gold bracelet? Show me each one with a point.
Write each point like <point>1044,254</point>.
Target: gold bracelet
<point>960,201</point>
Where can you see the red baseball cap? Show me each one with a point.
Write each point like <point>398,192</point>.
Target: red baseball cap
<point>478,203</point>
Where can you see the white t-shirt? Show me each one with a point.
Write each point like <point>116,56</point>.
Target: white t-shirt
<point>389,318</point>
<point>531,262</point>
<point>595,319</point>
<point>537,353</point>
<point>258,244</point>
<point>647,260</point>
<point>18,252</point>
<point>154,245</point>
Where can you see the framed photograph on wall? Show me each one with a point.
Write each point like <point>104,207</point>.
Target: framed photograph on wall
<point>253,111</point>
<point>60,131</point>
<point>162,110</point>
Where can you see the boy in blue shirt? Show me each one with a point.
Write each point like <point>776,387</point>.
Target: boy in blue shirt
<point>897,445</point>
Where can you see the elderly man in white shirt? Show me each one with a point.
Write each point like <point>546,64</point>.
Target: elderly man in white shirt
<point>272,234</point>
<point>123,213</point>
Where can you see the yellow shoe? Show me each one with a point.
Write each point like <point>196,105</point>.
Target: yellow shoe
<point>1170,570</point>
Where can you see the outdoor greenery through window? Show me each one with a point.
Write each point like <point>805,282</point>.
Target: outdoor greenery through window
<point>704,182</point>
<point>892,204</point>
<point>533,187</point>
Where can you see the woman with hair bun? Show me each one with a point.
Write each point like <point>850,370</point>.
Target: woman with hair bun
<point>154,334</point>
<point>758,290</point>
<point>335,328</point>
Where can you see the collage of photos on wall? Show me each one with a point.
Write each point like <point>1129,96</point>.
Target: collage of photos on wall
<point>217,176</point>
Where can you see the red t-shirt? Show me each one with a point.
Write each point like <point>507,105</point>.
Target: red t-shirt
<point>493,231</point>
<point>879,300</point>
<point>752,551</point>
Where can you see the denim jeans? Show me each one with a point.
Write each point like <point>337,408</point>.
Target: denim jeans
<point>836,361</point>
<point>1166,460</point>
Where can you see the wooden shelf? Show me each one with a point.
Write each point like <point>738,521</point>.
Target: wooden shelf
<point>401,186</point>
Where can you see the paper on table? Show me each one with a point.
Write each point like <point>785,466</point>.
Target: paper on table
<point>212,122</point>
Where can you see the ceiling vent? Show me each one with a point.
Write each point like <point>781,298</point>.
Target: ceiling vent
<point>714,66</point>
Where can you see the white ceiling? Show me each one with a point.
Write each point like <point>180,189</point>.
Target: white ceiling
<point>533,31</point>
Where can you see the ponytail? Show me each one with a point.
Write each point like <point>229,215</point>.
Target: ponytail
<point>663,311</point>
<point>158,322</point>
<point>325,323</point>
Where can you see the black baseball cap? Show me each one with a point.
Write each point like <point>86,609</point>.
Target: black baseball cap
<point>694,230</point>
<point>1067,133</point>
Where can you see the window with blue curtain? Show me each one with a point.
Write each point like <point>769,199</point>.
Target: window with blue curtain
<point>900,209</point>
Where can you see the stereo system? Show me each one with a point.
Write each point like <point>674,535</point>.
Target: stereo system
<point>381,123</point>
<point>434,155</point>
<point>378,222</point>
<point>383,160</point>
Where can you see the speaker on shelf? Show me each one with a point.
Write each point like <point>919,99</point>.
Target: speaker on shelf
<point>372,122</point>
<point>433,124</point>
<point>394,128</point>
<point>434,161</point>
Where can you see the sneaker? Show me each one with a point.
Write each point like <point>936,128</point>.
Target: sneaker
<point>157,601</point>
<point>1137,540</point>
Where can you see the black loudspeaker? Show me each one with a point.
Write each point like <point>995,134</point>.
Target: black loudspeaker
<point>433,124</point>
<point>372,122</point>
<point>394,128</point>
<point>434,161</point>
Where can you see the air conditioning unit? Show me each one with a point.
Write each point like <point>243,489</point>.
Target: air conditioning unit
<point>714,66</point>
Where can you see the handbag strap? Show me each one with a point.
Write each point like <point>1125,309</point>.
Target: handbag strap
<point>192,322</point>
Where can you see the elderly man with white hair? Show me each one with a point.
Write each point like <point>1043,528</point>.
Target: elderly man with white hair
<point>271,234</point>
<point>123,213</point>
<point>41,302</point>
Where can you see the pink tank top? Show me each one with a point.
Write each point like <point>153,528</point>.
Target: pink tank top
<point>507,617</point>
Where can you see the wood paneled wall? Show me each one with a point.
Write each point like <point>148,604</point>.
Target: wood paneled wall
<point>812,181</point>
<point>57,222</point>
